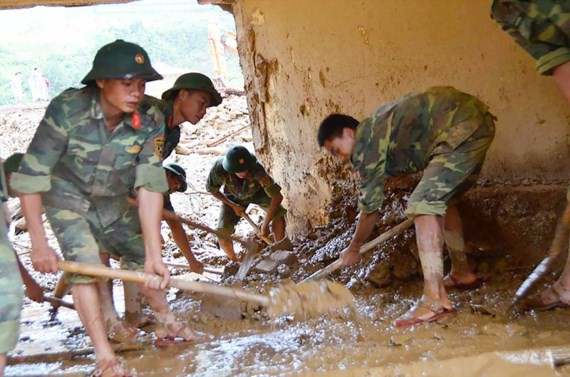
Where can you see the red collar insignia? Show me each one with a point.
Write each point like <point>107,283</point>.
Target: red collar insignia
<point>136,121</point>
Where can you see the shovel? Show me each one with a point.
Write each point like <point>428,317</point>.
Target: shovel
<point>309,299</point>
<point>559,244</point>
<point>366,247</point>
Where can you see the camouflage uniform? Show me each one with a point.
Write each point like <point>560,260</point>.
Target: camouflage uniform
<point>444,132</point>
<point>11,289</point>
<point>171,134</point>
<point>257,188</point>
<point>85,175</point>
<point>541,27</point>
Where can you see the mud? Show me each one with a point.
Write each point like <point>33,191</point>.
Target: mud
<point>508,228</point>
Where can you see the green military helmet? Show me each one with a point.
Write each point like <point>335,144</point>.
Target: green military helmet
<point>179,172</point>
<point>121,60</point>
<point>12,163</point>
<point>194,81</point>
<point>238,159</point>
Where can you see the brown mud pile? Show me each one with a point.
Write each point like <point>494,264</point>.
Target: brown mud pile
<point>508,228</point>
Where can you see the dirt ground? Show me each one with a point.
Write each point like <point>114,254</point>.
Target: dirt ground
<point>508,226</point>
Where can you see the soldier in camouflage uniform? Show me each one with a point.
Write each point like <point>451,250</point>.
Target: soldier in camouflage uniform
<point>187,101</point>
<point>33,290</point>
<point>444,133</point>
<point>542,28</point>
<point>244,182</point>
<point>11,292</point>
<point>78,167</point>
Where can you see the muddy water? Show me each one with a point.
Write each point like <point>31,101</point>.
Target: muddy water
<point>358,343</point>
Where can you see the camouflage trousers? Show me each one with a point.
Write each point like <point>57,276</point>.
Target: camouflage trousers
<point>82,238</point>
<point>541,27</point>
<point>451,172</point>
<point>11,293</point>
<point>228,219</point>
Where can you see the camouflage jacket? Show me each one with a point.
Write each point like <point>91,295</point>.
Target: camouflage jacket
<point>399,138</point>
<point>77,165</point>
<point>171,134</point>
<point>242,189</point>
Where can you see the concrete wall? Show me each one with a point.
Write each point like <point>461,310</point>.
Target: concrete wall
<point>304,59</point>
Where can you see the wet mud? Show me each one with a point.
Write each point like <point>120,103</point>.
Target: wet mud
<point>508,228</point>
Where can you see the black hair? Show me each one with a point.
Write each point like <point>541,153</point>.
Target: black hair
<point>332,126</point>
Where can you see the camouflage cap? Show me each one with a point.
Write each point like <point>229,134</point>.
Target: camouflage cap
<point>119,60</point>
<point>194,81</point>
<point>178,171</point>
<point>238,159</point>
<point>12,163</point>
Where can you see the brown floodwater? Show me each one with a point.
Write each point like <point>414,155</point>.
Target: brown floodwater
<point>481,341</point>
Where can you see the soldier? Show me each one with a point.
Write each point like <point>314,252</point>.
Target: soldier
<point>176,178</point>
<point>444,133</point>
<point>33,290</point>
<point>542,28</point>
<point>78,167</point>
<point>244,182</point>
<point>187,101</point>
<point>10,285</point>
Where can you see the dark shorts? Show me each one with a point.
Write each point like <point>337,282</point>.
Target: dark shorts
<point>228,219</point>
<point>82,238</point>
<point>11,293</point>
<point>451,172</point>
<point>541,27</point>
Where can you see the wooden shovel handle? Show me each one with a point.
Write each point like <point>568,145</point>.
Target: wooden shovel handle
<point>366,247</point>
<point>142,277</point>
<point>257,229</point>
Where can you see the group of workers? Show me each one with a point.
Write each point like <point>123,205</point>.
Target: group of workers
<point>101,144</point>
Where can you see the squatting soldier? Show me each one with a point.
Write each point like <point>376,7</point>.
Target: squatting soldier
<point>244,182</point>
<point>542,28</point>
<point>187,101</point>
<point>176,178</point>
<point>444,133</point>
<point>77,166</point>
<point>11,292</point>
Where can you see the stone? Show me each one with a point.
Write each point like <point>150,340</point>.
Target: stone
<point>284,257</point>
<point>515,330</point>
<point>266,265</point>
<point>284,271</point>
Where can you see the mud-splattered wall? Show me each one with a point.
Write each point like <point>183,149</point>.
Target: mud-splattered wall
<point>305,59</point>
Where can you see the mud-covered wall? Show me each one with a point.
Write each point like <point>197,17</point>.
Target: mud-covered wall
<point>304,59</point>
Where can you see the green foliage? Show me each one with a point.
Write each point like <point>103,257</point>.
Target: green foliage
<point>62,42</point>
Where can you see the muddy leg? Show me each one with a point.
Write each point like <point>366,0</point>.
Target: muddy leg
<point>228,248</point>
<point>133,304</point>
<point>453,236</point>
<point>88,305</point>
<point>429,234</point>
<point>560,290</point>
<point>278,228</point>
<point>2,364</point>
<point>167,325</point>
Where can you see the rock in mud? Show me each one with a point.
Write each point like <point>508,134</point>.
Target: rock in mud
<point>400,340</point>
<point>380,276</point>
<point>284,257</point>
<point>515,330</point>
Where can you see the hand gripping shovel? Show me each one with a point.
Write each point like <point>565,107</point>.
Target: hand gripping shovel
<point>309,299</point>
<point>559,243</point>
<point>366,247</point>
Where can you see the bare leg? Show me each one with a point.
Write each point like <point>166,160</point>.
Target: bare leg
<point>278,228</point>
<point>88,305</point>
<point>2,364</point>
<point>560,290</point>
<point>167,325</point>
<point>562,79</point>
<point>228,248</point>
<point>429,234</point>
<point>453,236</point>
